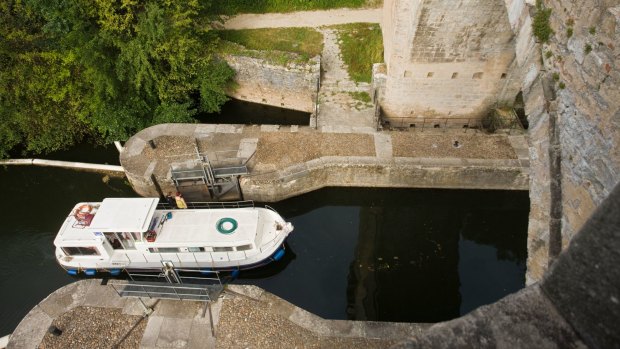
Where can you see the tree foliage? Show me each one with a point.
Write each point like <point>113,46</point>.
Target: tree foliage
<point>102,68</point>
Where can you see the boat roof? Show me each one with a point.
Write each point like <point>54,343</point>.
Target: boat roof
<point>196,226</point>
<point>124,215</point>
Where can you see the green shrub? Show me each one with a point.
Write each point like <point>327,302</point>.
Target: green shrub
<point>561,85</point>
<point>556,76</point>
<point>592,30</point>
<point>548,54</point>
<point>540,25</point>
<point>569,32</point>
<point>588,48</point>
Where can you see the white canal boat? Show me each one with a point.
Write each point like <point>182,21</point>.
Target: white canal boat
<point>134,234</point>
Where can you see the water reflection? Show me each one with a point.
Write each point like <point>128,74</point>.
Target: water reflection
<point>402,255</point>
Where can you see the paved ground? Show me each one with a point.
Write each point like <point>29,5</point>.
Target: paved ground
<point>91,315</point>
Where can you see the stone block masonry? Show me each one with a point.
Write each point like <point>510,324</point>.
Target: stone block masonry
<point>290,86</point>
<point>446,59</point>
<point>589,105</point>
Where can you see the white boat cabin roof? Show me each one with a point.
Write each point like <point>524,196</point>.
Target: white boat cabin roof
<point>184,227</point>
<point>200,226</point>
<point>124,215</point>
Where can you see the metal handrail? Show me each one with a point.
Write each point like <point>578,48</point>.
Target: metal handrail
<point>162,291</point>
<point>210,205</point>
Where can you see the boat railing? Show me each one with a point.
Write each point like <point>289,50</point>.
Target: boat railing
<point>269,243</point>
<point>188,276</point>
<point>209,205</point>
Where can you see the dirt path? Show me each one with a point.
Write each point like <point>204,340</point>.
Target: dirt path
<point>303,19</point>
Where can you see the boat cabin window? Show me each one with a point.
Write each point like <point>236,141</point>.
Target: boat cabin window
<point>120,241</point>
<point>81,251</point>
<point>244,247</point>
<point>222,249</point>
<point>195,249</point>
<point>164,249</point>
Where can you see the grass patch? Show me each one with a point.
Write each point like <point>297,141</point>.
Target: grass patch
<point>231,7</point>
<point>361,45</point>
<point>361,96</point>
<point>275,45</point>
<point>273,57</point>
<point>306,42</point>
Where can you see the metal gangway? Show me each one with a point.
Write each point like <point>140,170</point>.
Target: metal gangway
<point>171,283</point>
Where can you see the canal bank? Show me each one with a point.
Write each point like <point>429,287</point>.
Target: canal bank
<point>89,313</point>
<point>328,265</point>
<point>280,162</point>
<point>546,314</point>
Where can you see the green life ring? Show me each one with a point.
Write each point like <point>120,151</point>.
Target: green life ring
<point>226,230</point>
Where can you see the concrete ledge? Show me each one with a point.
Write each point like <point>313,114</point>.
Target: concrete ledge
<point>330,328</point>
<point>397,173</point>
<point>526,319</point>
<point>275,180</point>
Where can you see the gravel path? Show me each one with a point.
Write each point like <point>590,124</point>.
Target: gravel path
<point>304,19</point>
<point>286,149</point>
<point>246,323</point>
<point>91,327</point>
<point>442,145</point>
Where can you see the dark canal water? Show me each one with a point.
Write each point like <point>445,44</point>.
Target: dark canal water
<point>241,112</point>
<point>375,254</point>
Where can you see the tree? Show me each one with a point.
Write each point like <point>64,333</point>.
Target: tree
<point>103,68</point>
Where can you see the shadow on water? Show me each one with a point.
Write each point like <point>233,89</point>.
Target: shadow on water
<point>241,112</point>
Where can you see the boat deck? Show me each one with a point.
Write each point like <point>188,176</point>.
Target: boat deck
<point>188,226</point>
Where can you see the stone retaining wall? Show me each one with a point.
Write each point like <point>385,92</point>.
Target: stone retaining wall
<point>290,86</point>
<point>574,130</point>
<point>401,173</point>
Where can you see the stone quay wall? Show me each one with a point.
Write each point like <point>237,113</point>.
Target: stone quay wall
<point>588,108</point>
<point>290,86</point>
<point>573,109</point>
<point>371,172</point>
